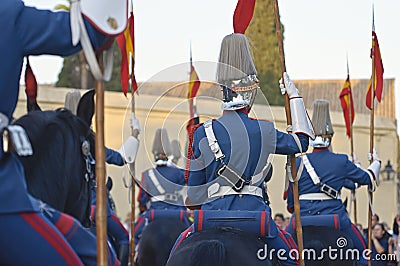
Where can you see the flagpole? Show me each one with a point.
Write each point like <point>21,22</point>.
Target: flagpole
<point>132,166</point>
<point>191,102</point>
<point>353,191</point>
<point>371,137</point>
<point>101,215</point>
<point>133,187</point>
<point>299,229</point>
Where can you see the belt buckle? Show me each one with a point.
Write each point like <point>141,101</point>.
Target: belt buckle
<point>214,147</point>
<point>171,197</point>
<point>238,186</point>
<point>330,191</point>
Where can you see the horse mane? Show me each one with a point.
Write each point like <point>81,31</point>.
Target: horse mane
<point>57,164</point>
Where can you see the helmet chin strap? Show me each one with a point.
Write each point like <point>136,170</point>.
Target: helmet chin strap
<point>321,142</point>
<point>235,105</point>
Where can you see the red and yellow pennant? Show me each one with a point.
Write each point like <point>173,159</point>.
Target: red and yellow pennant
<point>377,76</point>
<point>126,43</point>
<point>194,83</point>
<point>31,86</point>
<point>243,14</point>
<point>346,100</point>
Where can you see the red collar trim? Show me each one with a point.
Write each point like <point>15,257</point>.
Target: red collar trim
<point>320,149</point>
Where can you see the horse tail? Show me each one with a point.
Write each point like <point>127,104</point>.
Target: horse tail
<point>210,252</point>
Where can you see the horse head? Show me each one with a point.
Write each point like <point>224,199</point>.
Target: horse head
<point>61,170</point>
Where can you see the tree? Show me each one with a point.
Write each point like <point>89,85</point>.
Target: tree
<point>262,36</point>
<point>75,72</point>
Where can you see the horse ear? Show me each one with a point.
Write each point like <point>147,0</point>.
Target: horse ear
<point>345,204</point>
<point>85,109</point>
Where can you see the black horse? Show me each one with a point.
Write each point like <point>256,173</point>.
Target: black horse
<point>157,240</point>
<point>60,171</point>
<point>222,246</point>
<point>327,246</point>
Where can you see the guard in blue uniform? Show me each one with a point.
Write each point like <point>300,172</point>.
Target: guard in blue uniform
<point>325,173</point>
<point>229,155</point>
<point>162,187</point>
<point>126,154</point>
<point>29,31</point>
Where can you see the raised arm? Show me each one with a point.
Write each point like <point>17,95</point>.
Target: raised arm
<point>47,32</point>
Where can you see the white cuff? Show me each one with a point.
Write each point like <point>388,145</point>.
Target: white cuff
<point>129,149</point>
<point>300,121</point>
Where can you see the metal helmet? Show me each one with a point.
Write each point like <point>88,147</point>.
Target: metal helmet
<point>236,73</point>
<point>176,151</point>
<point>161,145</point>
<point>321,121</point>
<point>72,100</point>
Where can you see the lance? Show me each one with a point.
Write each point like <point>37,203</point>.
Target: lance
<point>102,72</point>
<point>371,137</point>
<point>101,214</point>
<point>299,229</point>
<point>133,186</point>
<point>193,116</point>
<point>353,191</point>
<point>134,133</point>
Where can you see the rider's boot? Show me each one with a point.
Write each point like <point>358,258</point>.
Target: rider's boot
<point>123,254</point>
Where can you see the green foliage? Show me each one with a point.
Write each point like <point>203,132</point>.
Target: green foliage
<point>262,36</point>
<point>70,75</point>
<point>270,88</point>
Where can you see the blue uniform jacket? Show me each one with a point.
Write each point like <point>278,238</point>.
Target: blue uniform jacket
<point>246,144</point>
<point>334,170</point>
<point>170,178</point>
<point>27,31</point>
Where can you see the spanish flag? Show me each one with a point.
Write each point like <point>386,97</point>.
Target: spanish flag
<point>193,123</point>
<point>127,46</point>
<point>377,76</point>
<point>194,83</point>
<point>346,100</point>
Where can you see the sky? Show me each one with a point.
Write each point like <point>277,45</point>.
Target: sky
<point>318,35</point>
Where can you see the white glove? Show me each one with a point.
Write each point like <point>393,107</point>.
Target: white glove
<point>134,123</point>
<point>288,87</point>
<point>129,149</point>
<point>374,156</point>
<point>356,160</point>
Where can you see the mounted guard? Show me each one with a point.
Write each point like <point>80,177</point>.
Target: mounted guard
<point>229,155</point>
<point>29,31</point>
<point>323,175</point>
<point>161,196</point>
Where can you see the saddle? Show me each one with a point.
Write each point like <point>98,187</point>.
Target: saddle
<point>330,221</point>
<point>253,222</point>
<point>155,214</point>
